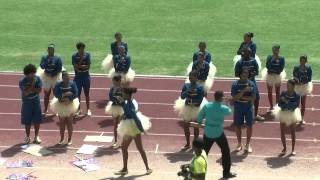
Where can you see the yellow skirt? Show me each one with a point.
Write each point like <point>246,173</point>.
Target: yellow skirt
<point>128,127</point>
<point>287,117</point>
<point>211,74</point>
<point>64,110</point>
<point>125,77</point>
<point>304,89</point>
<point>273,79</point>
<point>187,113</point>
<point>107,63</point>
<point>48,82</point>
<point>114,111</point>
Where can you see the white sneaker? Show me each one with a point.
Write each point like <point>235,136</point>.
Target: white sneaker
<point>239,147</point>
<point>26,140</point>
<point>37,140</point>
<point>69,143</point>
<point>89,112</point>
<point>248,148</point>
<point>78,113</point>
<point>259,118</point>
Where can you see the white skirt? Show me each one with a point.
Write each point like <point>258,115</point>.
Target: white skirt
<point>114,111</point>
<point>212,70</point>
<point>128,127</point>
<point>304,89</point>
<point>187,113</point>
<point>64,110</point>
<point>273,79</point>
<point>48,82</point>
<point>238,57</point>
<point>107,63</point>
<point>207,85</point>
<point>125,77</point>
<point>287,117</point>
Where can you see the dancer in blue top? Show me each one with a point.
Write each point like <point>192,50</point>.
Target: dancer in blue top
<point>274,74</point>
<point>114,107</point>
<point>302,74</point>
<point>202,49</point>
<point>202,68</point>
<point>244,93</point>
<point>107,62</point>
<point>248,43</point>
<point>81,62</point>
<point>65,103</point>
<point>50,73</point>
<point>121,64</point>
<point>246,62</point>
<point>117,43</point>
<point>289,114</point>
<point>189,104</point>
<point>30,86</point>
<point>130,128</point>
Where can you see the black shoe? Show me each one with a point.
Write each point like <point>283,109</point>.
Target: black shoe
<point>230,175</point>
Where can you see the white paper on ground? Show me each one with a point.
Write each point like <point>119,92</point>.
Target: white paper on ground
<point>87,167</point>
<point>87,149</point>
<point>36,150</point>
<point>104,139</point>
<point>2,161</point>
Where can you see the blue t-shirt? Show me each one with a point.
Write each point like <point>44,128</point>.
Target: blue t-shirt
<point>275,66</point>
<point>59,89</point>
<point>115,48</point>
<point>302,76</point>
<point>194,96</point>
<point>51,65</point>
<point>26,82</point>
<point>207,56</point>
<point>251,45</point>
<point>238,86</point>
<point>213,113</point>
<point>250,64</point>
<point>203,70</point>
<point>113,93</point>
<point>86,61</point>
<point>121,63</point>
<point>287,102</point>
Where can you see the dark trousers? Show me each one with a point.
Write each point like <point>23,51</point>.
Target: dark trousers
<point>224,147</point>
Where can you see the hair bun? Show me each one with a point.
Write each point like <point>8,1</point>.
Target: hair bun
<point>130,90</point>
<point>134,90</point>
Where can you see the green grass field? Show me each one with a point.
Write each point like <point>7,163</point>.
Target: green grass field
<point>162,35</point>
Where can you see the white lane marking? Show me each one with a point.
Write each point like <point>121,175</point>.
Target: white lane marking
<point>151,103</point>
<point>165,118</point>
<point>152,134</point>
<point>148,76</point>
<point>150,90</point>
<point>157,147</point>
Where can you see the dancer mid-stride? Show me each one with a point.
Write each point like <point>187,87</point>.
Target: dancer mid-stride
<point>130,128</point>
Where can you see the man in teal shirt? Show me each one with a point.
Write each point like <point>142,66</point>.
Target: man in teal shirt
<point>214,113</point>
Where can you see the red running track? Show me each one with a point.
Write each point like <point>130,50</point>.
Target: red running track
<point>155,97</point>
